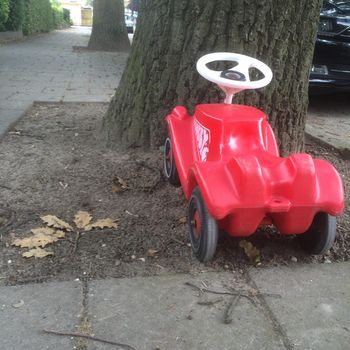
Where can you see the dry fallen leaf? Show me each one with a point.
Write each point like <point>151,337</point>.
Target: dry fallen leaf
<point>182,220</point>
<point>102,223</point>
<point>82,219</point>
<point>43,231</point>
<point>252,252</point>
<point>59,234</point>
<point>37,240</point>
<point>42,236</point>
<point>152,252</point>
<point>36,253</point>
<point>119,185</point>
<point>54,221</point>
<point>48,231</point>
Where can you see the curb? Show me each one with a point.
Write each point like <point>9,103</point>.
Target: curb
<point>342,147</point>
<point>38,102</point>
<point>12,124</point>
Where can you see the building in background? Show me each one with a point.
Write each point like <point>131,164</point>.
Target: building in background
<point>86,16</point>
<point>80,13</point>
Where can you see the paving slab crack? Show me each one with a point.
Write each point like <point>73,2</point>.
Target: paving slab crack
<point>277,327</point>
<point>84,325</point>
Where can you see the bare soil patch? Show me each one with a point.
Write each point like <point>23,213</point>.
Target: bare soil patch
<point>52,162</point>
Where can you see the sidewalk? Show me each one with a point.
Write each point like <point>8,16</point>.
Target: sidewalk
<point>309,309</point>
<point>329,121</point>
<point>46,68</point>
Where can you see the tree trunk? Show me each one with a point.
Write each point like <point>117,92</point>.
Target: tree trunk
<point>172,34</point>
<point>108,27</point>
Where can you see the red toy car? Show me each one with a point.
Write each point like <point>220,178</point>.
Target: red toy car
<point>226,159</point>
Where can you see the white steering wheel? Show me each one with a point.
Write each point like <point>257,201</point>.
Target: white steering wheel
<point>237,78</point>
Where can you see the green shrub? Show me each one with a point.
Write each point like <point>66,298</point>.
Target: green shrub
<point>66,17</point>
<point>16,15</point>
<point>33,16</point>
<point>57,16</point>
<point>4,13</point>
<point>38,17</point>
<point>61,17</point>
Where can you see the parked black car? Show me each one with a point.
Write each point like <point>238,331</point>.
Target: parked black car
<point>331,62</point>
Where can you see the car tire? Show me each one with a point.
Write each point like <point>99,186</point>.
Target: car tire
<point>170,170</point>
<point>319,238</point>
<point>203,228</point>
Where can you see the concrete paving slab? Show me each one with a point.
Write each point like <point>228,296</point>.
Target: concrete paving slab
<point>14,103</point>
<point>314,310</point>
<point>26,76</point>
<point>324,130</point>
<point>28,309</point>
<point>85,98</point>
<point>329,120</point>
<point>163,313</point>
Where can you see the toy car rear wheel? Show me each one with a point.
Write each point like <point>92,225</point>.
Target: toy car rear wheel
<point>319,238</point>
<point>203,228</point>
<point>170,169</point>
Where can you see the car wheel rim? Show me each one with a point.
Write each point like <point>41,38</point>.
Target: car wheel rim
<point>197,224</point>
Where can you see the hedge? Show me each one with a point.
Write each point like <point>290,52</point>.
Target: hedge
<point>38,16</point>
<point>4,13</point>
<point>61,17</point>
<point>16,15</point>
<point>32,16</point>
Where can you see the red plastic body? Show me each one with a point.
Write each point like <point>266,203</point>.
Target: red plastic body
<point>231,153</point>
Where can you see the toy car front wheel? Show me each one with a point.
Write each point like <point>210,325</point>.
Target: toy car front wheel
<point>203,228</point>
<point>319,238</point>
<point>170,169</point>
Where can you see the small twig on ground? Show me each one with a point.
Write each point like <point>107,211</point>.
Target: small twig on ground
<point>86,336</point>
<point>240,293</point>
<point>209,290</point>
<point>229,310</point>
<point>270,295</point>
<point>33,279</point>
<point>131,214</point>
<point>177,241</point>
<point>76,241</point>
<point>210,302</point>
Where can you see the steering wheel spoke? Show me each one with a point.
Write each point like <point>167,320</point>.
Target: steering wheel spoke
<point>237,78</point>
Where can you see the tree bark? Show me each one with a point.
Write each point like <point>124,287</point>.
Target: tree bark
<point>172,34</point>
<point>108,27</point>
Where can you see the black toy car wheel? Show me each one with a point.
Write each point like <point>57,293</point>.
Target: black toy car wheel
<point>321,235</point>
<point>170,170</point>
<point>203,228</point>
